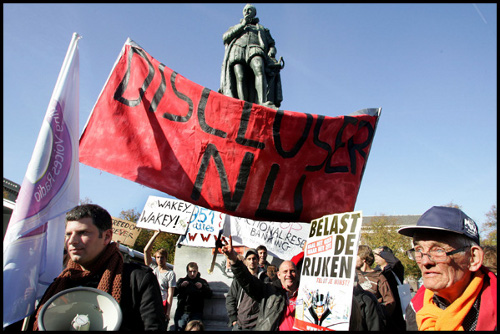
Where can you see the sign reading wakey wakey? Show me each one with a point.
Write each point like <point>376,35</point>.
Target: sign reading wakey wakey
<point>166,214</point>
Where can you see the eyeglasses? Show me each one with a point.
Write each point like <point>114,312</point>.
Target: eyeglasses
<point>435,255</point>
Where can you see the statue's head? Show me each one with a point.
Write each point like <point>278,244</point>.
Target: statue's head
<point>249,10</point>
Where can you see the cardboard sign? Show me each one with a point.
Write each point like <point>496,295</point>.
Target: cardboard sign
<point>326,286</point>
<point>155,127</point>
<point>125,232</point>
<point>166,214</point>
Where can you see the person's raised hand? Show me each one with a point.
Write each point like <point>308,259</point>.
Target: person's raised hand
<point>228,250</point>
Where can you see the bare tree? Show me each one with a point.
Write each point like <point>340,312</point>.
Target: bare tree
<point>85,200</point>
<point>490,227</point>
<point>383,231</point>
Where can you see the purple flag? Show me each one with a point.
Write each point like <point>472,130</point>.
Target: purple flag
<point>34,241</point>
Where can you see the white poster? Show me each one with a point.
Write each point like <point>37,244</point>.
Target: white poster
<point>203,229</point>
<point>282,240</point>
<point>166,214</point>
<point>327,276</point>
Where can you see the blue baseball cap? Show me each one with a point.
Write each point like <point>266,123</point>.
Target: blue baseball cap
<point>445,219</point>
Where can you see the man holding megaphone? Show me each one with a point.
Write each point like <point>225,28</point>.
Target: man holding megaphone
<point>95,261</point>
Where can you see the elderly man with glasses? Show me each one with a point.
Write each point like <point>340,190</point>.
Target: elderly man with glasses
<point>459,293</point>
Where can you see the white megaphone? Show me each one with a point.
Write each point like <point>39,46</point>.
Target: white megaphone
<point>80,309</point>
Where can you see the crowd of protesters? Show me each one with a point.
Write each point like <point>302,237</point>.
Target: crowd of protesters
<point>458,292</point>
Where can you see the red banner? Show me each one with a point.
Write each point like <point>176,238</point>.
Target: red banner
<point>155,127</point>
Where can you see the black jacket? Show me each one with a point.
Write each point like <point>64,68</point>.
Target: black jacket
<point>372,314</point>
<point>394,266</point>
<point>394,263</point>
<point>234,298</point>
<point>141,303</point>
<point>190,298</point>
<point>272,297</point>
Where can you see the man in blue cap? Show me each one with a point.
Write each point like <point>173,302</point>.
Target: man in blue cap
<point>459,293</point>
<point>242,310</point>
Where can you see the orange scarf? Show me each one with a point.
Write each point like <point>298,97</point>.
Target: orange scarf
<point>431,317</point>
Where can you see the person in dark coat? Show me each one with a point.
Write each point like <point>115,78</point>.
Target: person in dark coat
<point>242,310</point>
<point>389,259</point>
<point>191,292</point>
<point>276,299</point>
<point>95,261</point>
<point>371,315</point>
<point>391,267</point>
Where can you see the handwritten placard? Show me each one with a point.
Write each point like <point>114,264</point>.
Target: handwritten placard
<point>166,214</point>
<point>203,228</point>
<point>125,232</point>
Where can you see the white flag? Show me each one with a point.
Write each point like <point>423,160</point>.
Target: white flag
<point>34,240</point>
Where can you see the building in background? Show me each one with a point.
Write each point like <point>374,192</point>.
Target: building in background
<point>399,220</point>
<point>10,192</point>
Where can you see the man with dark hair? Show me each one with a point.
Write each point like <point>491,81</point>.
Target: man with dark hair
<point>242,310</point>
<point>276,299</point>
<point>393,270</point>
<point>459,292</point>
<point>263,264</point>
<point>374,281</point>
<point>95,261</point>
<point>191,292</point>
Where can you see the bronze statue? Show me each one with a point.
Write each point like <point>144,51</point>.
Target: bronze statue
<point>250,70</point>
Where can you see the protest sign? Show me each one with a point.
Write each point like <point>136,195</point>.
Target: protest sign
<point>203,228</point>
<point>125,232</point>
<point>155,127</point>
<point>166,214</point>
<point>327,277</point>
<point>282,240</point>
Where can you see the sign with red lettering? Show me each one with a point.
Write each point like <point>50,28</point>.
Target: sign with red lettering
<point>203,228</point>
<point>155,127</point>
<point>324,298</point>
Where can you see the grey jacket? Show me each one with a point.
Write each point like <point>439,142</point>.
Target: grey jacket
<point>271,296</point>
<point>234,298</point>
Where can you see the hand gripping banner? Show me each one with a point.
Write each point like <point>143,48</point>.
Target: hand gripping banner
<point>155,127</point>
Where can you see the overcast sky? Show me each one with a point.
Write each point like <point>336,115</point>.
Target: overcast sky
<point>432,68</point>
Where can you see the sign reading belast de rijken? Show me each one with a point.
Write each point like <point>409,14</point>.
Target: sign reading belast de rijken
<point>153,126</point>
